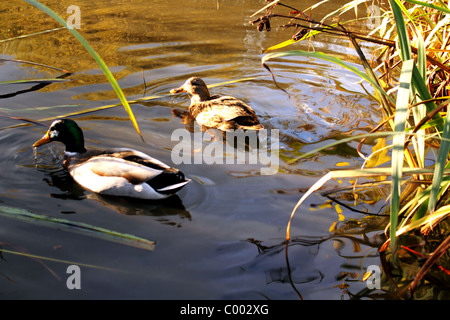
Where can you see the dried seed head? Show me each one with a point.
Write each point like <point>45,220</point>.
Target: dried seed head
<point>299,34</point>
<point>261,26</point>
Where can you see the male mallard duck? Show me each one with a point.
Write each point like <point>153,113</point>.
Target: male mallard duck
<point>118,171</point>
<point>224,113</point>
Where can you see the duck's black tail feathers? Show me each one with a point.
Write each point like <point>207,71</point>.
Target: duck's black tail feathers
<point>168,182</point>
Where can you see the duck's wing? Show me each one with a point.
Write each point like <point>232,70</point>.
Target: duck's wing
<point>135,173</point>
<point>227,107</point>
<point>137,157</point>
<point>214,112</point>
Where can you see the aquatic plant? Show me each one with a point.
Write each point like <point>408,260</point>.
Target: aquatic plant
<point>409,78</point>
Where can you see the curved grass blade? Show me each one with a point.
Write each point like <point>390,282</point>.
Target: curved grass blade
<point>79,227</point>
<point>94,55</point>
<point>428,220</point>
<point>430,5</point>
<point>371,172</point>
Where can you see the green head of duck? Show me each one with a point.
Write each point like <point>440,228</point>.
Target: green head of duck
<point>67,132</point>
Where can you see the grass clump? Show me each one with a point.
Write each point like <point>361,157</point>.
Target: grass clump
<point>409,75</point>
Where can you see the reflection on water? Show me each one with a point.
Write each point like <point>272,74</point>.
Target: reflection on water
<point>167,207</point>
<point>230,222</point>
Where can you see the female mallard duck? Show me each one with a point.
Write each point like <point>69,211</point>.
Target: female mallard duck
<point>118,171</point>
<point>224,113</point>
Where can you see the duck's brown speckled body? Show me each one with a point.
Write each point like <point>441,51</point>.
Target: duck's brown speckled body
<point>225,113</point>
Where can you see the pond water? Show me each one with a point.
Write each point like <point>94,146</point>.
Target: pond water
<point>221,237</point>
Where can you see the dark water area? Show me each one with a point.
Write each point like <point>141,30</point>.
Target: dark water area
<point>221,237</point>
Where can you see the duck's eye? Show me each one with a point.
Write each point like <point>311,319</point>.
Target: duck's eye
<point>53,134</point>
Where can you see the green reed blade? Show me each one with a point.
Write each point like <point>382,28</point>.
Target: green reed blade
<point>405,53</point>
<point>421,89</point>
<point>419,111</point>
<point>401,113</point>
<point>402,33</point>
<point>440,164</point>
<point>94,55</point>
<point>421,57</point>
<point>79,227</point>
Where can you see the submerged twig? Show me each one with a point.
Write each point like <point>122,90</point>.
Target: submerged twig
<point>274,80</point>
<point>36,64</point>
<point>31,34</point>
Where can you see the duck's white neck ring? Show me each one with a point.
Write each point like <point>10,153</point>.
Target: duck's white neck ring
<point>71,154</point>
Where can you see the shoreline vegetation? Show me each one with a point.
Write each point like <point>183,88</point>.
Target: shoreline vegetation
<point>409,76</point>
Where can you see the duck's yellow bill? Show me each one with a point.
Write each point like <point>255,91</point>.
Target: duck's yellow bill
<point>45,139</point>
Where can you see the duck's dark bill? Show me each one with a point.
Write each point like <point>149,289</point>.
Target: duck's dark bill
<point>178,90</point>
<point>45,139</point>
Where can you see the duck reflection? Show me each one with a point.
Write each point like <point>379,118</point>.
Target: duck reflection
<point>171,206</point>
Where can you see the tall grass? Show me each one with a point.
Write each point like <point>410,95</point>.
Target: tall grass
<point>410,80</point>
<point>112,80</point>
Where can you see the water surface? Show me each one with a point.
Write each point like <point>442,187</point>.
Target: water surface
<point>222,236</point>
